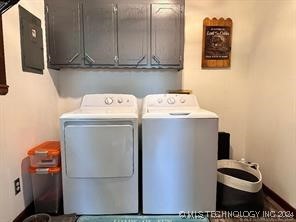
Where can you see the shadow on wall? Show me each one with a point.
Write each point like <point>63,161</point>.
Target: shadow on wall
<point>26,182</point>
<point>73,83</point>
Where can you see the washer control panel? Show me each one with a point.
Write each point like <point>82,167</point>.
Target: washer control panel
<point>108,100</point>
<point>168,100</point>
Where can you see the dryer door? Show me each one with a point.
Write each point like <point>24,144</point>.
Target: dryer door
<point>99,151</point>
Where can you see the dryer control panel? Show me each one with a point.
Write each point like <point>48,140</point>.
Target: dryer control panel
<point>108,100</point>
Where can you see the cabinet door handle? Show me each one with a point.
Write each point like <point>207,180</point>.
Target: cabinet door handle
<point>73,58</point>
<point>138,63</point>
<point>89,59</point>
<point>116,60</point>
<point>156,59</point>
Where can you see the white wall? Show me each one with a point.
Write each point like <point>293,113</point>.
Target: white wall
<point>28,115</point>
<point>271,128</point>
<point>222,90</point>
<point>73,84</point>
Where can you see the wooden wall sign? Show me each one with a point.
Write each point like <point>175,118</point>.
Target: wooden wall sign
<point>216,49</point>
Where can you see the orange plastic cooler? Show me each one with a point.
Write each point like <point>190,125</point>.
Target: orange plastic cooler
<point>45,155</point>
<point>47,189</point>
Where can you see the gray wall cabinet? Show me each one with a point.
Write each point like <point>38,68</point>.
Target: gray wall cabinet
<point>133,34</point>
<point>166,35</point>
<point>99,32</point>
<point>115,34</point>
<point>64,39</point>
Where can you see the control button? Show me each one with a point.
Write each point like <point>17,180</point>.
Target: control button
<point>182,100</point>
<point>171,100</point>
<point>108,101</point>
<point>120,100</point>
<point>159,100</point>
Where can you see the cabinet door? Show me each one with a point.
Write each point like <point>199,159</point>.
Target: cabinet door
<point>166,34</point>
<point>63,32</point>
<point>99,32</point>
<point>133,34</point>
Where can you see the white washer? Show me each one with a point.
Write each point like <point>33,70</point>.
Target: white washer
<point>100,156</point>
<point>180,143</point>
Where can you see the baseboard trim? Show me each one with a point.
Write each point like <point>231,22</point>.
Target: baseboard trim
<point>28,211</point>
<point>279,200</point>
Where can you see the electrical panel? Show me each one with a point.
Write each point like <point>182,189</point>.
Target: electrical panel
<point>31,42</point>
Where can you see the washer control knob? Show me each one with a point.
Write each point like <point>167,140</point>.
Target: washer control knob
<point>182,100</point>
<point>171,100</point>
<point>120,100</point>
<point>108,101</point>
<point>159,100</point>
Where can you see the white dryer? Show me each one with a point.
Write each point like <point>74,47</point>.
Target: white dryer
<point>100,156</point>
<point>180,143</point>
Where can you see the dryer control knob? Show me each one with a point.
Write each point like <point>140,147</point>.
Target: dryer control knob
<point>171,100</point>
<point>108,101</point>
<point>159,100</point>
<point>182,100</point>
